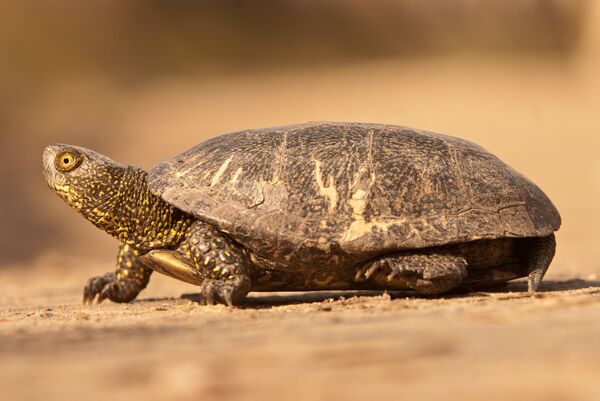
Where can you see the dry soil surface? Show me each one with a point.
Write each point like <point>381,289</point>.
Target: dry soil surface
<point>355,346</point>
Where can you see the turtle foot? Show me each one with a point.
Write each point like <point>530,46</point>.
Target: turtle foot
<point>229,292</point>
<point>108,287</point>
<point>426,273</point>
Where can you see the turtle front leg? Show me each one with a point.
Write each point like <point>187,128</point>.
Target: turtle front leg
<point>128,280</point>
<point>426,272</point>
<point>224,265</point>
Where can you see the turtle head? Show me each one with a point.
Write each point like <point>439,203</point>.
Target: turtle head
<point>115,198</point>
<point>87,181</point>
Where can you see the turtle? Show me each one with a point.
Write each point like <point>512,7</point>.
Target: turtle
<point>314,206</point>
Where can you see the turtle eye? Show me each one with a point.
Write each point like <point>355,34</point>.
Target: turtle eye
<point>67,161</point>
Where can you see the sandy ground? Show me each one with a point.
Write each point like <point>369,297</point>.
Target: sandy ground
<point>494,345</point>
<point>539,116</point>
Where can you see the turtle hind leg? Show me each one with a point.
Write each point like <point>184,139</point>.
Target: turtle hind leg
<point>541,253</point>
<point>426,272</point>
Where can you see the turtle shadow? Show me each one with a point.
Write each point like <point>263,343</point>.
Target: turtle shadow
<point>517,288</point>
<point>547,286</point>
<point>259,300</point>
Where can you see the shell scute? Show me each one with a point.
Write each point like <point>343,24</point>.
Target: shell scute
<point>351,188</point>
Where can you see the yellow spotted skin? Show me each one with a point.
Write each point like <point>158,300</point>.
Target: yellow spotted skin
<point>117,199</point>
<point>130,277</point>
<point>224,266</point>
<point>138,218</point>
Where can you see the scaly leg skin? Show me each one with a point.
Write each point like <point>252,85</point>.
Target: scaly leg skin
<point>130,277</point>
<point>541,253</point>
<point>426,273</point>
<point>224,265</point>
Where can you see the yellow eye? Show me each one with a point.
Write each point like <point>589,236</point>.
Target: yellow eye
<point>67,161</point>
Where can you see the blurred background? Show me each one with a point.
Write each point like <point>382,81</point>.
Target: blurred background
<point>142,81</point>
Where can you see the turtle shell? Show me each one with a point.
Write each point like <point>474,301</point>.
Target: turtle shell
<point>351,189</point>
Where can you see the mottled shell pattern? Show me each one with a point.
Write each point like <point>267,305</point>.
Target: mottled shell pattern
<point>351,189</point>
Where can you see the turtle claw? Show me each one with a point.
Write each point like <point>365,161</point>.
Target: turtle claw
<point>229,292</point>
<point>107,292</point>
<point>208,291</point>
<point>95,287</point>
<point>228,296</point>
<point>213,291</point>
<point>365,272</point>
<point>378,265</point>
<point>107,287</point>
